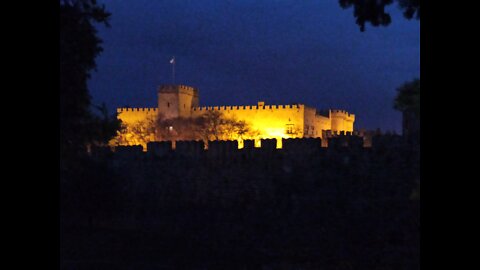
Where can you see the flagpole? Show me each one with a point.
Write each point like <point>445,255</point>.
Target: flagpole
<point>173,69</point>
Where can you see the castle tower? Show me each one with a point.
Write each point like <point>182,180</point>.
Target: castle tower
<point>341,120</point>
<point>176,100</point>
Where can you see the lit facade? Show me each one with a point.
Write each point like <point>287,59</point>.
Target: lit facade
<point>271,121</point>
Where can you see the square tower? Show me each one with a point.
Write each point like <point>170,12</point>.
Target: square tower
<point>176,100</point>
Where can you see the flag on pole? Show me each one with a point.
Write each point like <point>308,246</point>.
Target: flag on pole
<point>172,61</point>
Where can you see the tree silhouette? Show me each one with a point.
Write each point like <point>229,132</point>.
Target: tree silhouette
<point>213,125</point>
<point>408,102</point>
<point>137,133</point>
<point>408,97</point>
<point>88,188</point>
<point>373,11</point>
<point>79,46</point>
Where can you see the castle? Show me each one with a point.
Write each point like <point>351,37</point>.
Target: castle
<point>271,121</point>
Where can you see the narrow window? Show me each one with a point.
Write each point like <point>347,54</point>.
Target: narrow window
<point>290,129</point>
<point>168,104</point>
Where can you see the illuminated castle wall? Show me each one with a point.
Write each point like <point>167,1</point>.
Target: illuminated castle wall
<point>272,121</point>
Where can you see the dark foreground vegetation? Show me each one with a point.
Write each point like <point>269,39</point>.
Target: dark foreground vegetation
<point>326,209</point>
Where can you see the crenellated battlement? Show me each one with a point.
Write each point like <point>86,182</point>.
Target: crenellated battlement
<point>121,110</point>
<point>294,147</point>
<point>305,145</point>
<point>265,120</point>
<point>221,148</point>
<point>184,89</point>
<point>342,113</point>
<point>248,107</point>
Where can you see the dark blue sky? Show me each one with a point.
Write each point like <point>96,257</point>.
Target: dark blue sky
<point>240,52</point>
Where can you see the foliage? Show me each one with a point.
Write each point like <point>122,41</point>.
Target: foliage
<point>90,191</point>
<point>212,125</point>
<point>237,129</point>
<point>373,11</point>
<point>105,126</point>
<point>179,129</point>
<point>253,213</point>
<point>138,133</point>
<point>411,8</point>
<point>79,46</point>
<point>408,97</point>
<point>88,187</point>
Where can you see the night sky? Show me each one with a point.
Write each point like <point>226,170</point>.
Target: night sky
<point>241,52</point>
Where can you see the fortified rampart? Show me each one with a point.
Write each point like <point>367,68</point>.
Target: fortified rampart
<point>134,115</point>
<point>342,120</point>
<point>270,121</point>
<point>266,121</point>
<point>224,173</point>
<point>303,194</point>
<point>297,148</point>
